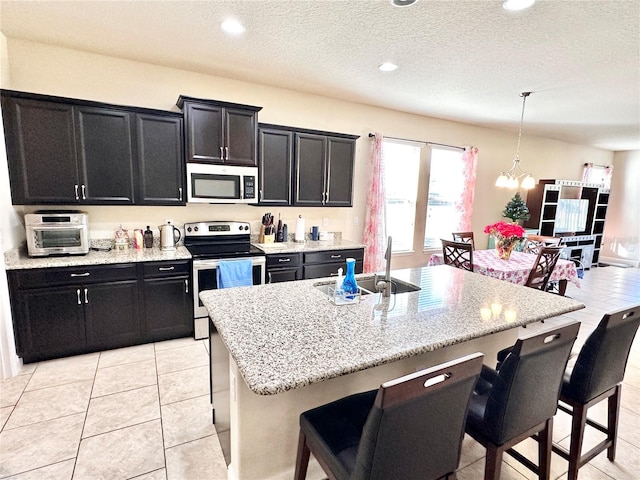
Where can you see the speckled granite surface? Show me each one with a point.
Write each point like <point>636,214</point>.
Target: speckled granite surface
<point>17,259</point>
<point>308,246</point>
<point>288,335</point>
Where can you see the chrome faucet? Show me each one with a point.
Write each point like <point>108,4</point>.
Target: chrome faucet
<point>384,285</point>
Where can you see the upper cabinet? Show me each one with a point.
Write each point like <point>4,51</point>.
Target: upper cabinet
<point>305,167</point>
<point>67,151</point>
<point>220,132</point>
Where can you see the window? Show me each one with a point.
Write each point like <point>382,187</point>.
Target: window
<point>446,186</point>
<point>401,167</point>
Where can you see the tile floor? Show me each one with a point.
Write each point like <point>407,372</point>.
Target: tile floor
<point>143,412</point>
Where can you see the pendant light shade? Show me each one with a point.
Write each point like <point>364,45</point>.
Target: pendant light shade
<point>511,178</point>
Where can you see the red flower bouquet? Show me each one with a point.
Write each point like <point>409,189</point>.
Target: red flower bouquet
<point>507,235</point>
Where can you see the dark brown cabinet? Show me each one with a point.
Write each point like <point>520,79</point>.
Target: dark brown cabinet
<point>160,160</point>
<point>284,267</point>
<point>69,151</point>
<point>220,132</point>
<point>275,164</point>
<point>326,263</point>
<point>168,301</point>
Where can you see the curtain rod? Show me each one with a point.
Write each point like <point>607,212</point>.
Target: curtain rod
<point>421,141</point>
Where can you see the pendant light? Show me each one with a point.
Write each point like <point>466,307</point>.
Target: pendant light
<point>511,178</point>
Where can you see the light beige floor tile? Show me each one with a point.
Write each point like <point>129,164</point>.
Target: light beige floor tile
<point>123,453</point>
<point>160,474</point>
<point>587,472</point>
<point>471,452</point>
<point>4,416</point>
<point>49,403</point>
<point>529,448</point>
<point>630,398</point>
<point>626,465</point>
<point>182,385</point>
<point>126,355</point>
<point>198,459</point>
<point>186,421</point>
<point>57,471</point>
<point>11,389</point>
<point>34,446</point>
<point>175,359</point>
<point>632,376</point>
<point>124,377</point>
<point>28,368</point>
<point>64,370</point>
<point>475,471</point>
<point>121,410</point>
<point>178,342</point>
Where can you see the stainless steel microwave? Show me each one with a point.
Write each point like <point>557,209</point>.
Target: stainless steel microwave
<point>56,232</point>
<point>208,183</point>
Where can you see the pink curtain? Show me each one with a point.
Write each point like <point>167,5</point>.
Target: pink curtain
<point>465,206</point>
<point>608,172</point>
<point>375,223</point>
<point>586,172</point>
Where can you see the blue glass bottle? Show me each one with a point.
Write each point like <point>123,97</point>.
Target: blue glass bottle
<point>349,284</point>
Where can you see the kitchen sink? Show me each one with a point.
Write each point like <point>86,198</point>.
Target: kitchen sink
<point>367,286</point>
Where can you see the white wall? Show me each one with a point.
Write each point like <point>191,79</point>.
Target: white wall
<point>621,242</point>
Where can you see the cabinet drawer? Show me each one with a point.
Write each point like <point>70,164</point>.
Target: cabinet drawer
<point>333,256</point>
<point>284,260</point>
<point>166,269</point>
<point>45,277</point>
<point>328,269</point>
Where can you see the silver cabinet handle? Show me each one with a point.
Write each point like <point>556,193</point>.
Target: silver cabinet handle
<point>226,153</point>
<point>222,153</point>
<point>261,196</point>
<point>76,190</point>
<point>84,197</point>
<point>186,286</point>
<point>180,193</point>
<point>166,269</point>
<point>269,277</point>
<point>85,274</point>
<point>78,293</point>
<point>326,197</point>
<point>336,256</point>
<point>86,295</point>
<point>284,260</point>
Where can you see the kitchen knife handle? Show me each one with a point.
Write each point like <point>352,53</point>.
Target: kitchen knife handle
<point>86,295</point>
<point>76,189</point>
<point>78,293</point>
<point>85,274</point>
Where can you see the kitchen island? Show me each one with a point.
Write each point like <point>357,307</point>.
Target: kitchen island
<point>283,348</point>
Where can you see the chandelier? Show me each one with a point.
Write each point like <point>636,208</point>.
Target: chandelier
<point>511,178</point>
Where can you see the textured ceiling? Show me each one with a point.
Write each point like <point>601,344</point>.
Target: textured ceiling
<point>460,60</point>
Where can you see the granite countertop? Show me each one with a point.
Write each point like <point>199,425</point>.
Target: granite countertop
<point>308,246</point>
<point>288,335</point>
<point>17,259</point>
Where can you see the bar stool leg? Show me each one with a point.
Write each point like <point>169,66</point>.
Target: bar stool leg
<point>613,416</point>
<point>545,439</point>
<point>579,420</point>
<point>302,459</point>
<point>493,462</point>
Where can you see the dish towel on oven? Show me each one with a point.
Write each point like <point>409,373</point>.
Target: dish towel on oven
<point>235,273</point>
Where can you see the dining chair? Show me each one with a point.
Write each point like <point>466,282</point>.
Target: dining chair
<point>543,267</point>
<point>410,428</point>
<point>520,398</point>
<point>457,254</point>
<point>464,237</point>
<point>533,243</point>
<point>597,375</point>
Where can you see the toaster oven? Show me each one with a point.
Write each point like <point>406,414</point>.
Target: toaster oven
<point>56,232</point>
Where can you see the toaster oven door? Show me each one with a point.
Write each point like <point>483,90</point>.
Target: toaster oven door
<point>48,240</point>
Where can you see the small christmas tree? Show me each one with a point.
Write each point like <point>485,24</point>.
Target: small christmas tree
<point>516,209</point>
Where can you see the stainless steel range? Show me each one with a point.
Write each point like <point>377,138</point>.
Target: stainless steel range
<point>208,243</point>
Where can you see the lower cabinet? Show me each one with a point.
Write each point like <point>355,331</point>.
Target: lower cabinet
<point>284,267</point>
<point>168,301</point>
<point>326,263</point>
<point>66,311</point>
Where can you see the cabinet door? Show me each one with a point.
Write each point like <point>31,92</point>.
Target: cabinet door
<point>240,131</point>
<point>41,151</point>
<point>275,159</point>
<point>204,135</point>
<point>309,169</point>
<point>277,275</point>
<point>49,322</point>
<point>111,314</point>
<point>105,155</point>
<point>160,160</point>
<point>340,159</point>
<point>168,308</point>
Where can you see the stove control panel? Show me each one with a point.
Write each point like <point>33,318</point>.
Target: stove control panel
<point>216,229</point>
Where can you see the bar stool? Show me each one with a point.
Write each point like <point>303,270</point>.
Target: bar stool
<point>410,428</point>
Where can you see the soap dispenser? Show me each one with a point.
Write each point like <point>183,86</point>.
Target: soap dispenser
<point>349,284</point>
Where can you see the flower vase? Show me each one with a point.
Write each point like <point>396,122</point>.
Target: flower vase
<point>504,249</point>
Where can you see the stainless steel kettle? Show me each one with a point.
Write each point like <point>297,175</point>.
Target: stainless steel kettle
<point>168,237</point>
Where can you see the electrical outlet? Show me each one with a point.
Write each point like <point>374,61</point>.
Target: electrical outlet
<point>356,221</point>
<point>325,222</point>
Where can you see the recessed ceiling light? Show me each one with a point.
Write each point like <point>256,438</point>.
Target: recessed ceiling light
<point>402,3</point>
<point>515,5</point>
<point>232,26</point>
<point>387,67</point>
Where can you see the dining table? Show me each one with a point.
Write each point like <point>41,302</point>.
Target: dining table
<point>517,268</point>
